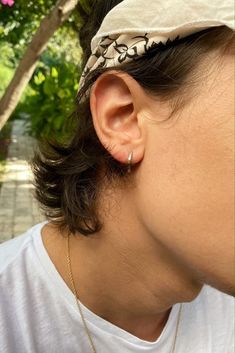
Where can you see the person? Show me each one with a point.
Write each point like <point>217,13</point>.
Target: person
<point>136,254</point>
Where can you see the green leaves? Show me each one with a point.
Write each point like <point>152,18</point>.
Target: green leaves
<point>39,78</point>
<point>23,19</point>
<point>49,98</point>
<point>49,88</point>
<point>54,72</point>
<point>53,90</point>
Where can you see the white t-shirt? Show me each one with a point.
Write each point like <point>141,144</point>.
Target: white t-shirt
<point>38,312</point>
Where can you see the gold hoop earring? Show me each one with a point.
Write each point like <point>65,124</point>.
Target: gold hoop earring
<point>129,162</point>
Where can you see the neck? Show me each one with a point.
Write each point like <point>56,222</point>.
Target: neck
<point>124,275</point>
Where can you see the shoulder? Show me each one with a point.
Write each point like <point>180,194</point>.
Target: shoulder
<point>12,249</point>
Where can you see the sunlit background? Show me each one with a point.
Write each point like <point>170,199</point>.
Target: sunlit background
<point>42,105</point>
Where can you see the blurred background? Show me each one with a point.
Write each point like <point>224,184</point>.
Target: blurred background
<point>40,60</point>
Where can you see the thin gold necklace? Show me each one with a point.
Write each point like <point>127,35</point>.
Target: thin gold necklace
<point>80,309</point>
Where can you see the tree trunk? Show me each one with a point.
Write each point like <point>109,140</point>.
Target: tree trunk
<point>27,65</point>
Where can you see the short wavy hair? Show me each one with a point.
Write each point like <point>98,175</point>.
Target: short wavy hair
<point>66,175</point>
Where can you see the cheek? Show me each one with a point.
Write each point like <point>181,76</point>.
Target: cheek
<point>187,202</point>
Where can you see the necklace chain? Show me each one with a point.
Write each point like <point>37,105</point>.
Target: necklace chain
<point>80,309</point>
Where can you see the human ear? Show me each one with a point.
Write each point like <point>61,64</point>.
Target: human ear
<point>114,103</point>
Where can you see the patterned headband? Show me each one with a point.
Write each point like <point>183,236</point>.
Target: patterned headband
<point>133,27</point>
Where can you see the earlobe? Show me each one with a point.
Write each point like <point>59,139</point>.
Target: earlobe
<point>115,117</point>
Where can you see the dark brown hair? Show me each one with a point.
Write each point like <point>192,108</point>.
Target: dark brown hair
<point>67,174</point>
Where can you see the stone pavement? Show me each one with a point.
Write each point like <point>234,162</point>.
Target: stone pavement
<point>18,209</point>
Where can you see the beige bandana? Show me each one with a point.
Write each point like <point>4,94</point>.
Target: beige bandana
<point>133,27</point>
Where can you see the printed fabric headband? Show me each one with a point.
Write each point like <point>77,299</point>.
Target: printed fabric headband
<point>133,27</point>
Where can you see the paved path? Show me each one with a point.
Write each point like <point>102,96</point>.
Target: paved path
<point>18,209</point>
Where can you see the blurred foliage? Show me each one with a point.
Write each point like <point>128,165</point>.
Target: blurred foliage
<point>7,65</point>
<point>18,23</point>
<point>49,97</point>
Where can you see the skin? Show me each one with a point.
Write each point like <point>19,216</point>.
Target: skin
<point>171,230</point>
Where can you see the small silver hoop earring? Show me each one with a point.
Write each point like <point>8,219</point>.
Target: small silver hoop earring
<point>130,158</point>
